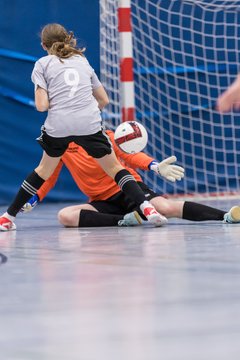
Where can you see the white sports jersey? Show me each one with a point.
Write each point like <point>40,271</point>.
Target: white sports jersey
<point>73,109</point>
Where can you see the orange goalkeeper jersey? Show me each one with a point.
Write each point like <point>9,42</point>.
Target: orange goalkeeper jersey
<point>89,176</point>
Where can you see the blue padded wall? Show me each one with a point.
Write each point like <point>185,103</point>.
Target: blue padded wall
<point>20,24</point>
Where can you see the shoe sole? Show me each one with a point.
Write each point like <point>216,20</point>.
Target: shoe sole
<point>235,213</point>
<point>156,220</point>
<point>138,217</point>
<point>11,229</point>
<point>129,222</point>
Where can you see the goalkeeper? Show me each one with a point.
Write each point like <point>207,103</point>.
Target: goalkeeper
<point>108,205</point>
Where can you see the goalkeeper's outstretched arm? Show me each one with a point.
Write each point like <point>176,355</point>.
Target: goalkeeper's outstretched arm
<point>166,168</point>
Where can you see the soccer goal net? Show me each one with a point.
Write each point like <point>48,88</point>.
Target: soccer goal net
<point>185,54</point>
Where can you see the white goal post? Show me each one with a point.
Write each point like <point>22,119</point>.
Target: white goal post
<point>185,53</point>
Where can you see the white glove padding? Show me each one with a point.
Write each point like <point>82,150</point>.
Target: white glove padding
<point>168,171</point>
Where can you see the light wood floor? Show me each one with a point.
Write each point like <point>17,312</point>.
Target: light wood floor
<point>142,293</point>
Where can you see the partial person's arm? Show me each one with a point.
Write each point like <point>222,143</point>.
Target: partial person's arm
<point>41,99</point>
<point>40,86</point>
<point>101,97</point>
<point>230,99</point>
<point>98,91</point>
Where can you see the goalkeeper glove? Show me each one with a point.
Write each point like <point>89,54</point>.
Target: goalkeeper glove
<point>30,205</point>
<point>167,170</point>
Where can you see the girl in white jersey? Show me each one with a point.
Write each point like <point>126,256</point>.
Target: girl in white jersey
<point>67,87</point>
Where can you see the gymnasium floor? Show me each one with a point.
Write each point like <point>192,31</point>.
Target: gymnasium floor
<point>119,293</point>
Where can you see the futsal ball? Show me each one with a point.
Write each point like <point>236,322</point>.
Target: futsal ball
<point>131,137</point>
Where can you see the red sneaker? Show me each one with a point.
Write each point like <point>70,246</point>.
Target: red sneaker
<point>6,224</point>
<point>152,215</point>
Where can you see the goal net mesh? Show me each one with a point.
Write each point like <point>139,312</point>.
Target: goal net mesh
<point>185,54</point>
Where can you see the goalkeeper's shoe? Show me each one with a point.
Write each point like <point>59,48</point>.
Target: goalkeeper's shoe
<point>6,224</point>
<point>152,215</point>
<point>131,219</point>
<point>233,216</point>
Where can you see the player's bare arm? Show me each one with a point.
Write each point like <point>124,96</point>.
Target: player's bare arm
<point>41,99</point>
<point>101,97</point>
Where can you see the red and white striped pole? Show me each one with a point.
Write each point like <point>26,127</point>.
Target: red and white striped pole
<point>126,61</point>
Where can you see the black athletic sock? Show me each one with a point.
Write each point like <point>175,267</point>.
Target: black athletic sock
<point>198,212</point>
<point>28,188</point>
<point>130,187</point>
<point>89,218</point>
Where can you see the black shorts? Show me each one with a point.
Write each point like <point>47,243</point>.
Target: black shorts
<point>120,204</point>
<point>96,145</point>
